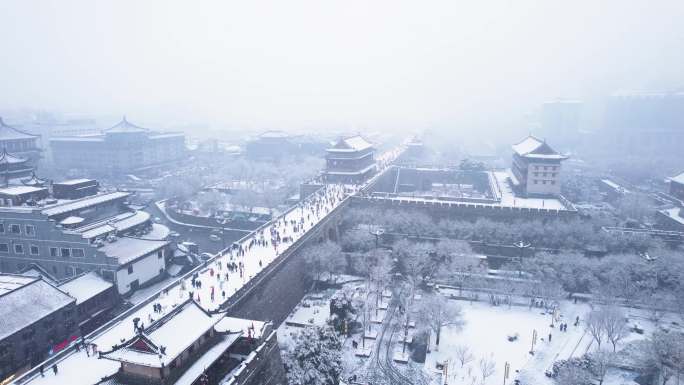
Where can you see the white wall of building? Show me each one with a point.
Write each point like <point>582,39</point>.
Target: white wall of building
<point>547,180</point>
<point>144,270</point>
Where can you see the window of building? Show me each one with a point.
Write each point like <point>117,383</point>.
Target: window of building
<point>160,254</point>
<point>53,252</point>
<point>15,229</point>
<point>54,270</point>
<point>77,253</point>
<point>68,271</point>
<point>34,250</point>
<point>4,248</point>
<point>65,252</point>
<point>536,181</point>
<point>19,248</point>
<point>553,174</point>
<point>543,182</point>
<point>553,182</point>
<point>130,269</point>
<point>2,227</point>
<point>30,230</point>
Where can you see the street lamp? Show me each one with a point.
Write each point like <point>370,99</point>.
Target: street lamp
<point>377,232</point>
<point>521,246</point>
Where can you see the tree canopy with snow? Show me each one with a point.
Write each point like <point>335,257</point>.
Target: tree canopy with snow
<point>315,358</point>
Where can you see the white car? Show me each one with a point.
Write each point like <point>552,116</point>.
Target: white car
<point>215,238</point>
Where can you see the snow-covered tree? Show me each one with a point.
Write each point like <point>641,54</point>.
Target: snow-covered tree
<point>325,257</point>
<point>668,354</point>
<point>573,375</point>
<point>315,358</point>
<point>437,313</point>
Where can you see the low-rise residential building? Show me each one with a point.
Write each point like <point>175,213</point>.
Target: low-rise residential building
<point>95,299</point>
<point>95,233</point>
<point>350,160</point>
<point>36,319</point>
<point>536,168</point>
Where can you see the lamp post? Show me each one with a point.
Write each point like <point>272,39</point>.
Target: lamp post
<point>522,246</point>
<point>376,232</point>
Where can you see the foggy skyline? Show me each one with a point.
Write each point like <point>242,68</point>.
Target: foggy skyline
<point>333,65</point>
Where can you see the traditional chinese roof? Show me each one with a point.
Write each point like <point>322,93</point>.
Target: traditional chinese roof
<point>124,126</point>
<point>351,144</point>
<point>166,338</point>
<point>7,158</point>
<point>33,180</point>
<point>532,147</point>
<point>11,133</point>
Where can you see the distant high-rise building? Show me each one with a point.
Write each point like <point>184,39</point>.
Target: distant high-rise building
<point>536,167</point>
<point>645,123</point>
<point>122,148</point>
<point>560,119</point>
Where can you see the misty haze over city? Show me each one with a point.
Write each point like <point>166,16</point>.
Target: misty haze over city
<point>342,192</point>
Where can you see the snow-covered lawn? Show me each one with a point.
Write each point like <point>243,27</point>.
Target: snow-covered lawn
<point>486,331</point>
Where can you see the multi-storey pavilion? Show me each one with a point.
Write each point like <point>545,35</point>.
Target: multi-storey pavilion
<point>536,168</point>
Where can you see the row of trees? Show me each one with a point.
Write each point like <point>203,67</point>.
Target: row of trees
<point>656,279</point>
<point>575,234</point>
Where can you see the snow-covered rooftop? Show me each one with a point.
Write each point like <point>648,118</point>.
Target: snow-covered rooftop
<point>158,233</point>
<point>6,158</point>
<point>536,148</point>
<point>354,143</point>
<point>198,367</point>
<point>175,332</point>
<point>127,249</point>
<point>72,182</point>
<point>84,203</point>
<point>29,303</point>
<point>85,287</point>
<point>9,282</point>
<point>235,325</point>
<point>678,179</point>
<point>21,190</point>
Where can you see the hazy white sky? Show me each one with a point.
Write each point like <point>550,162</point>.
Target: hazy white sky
<point>338,64</point>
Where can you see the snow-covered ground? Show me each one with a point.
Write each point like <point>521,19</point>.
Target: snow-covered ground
<point>485,333</point>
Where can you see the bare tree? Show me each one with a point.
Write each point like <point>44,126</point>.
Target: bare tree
<point>614,325</point>
<point>463,354</point>
<point>487,368</point>
<point>436,313</point>
<point>594,325</point>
